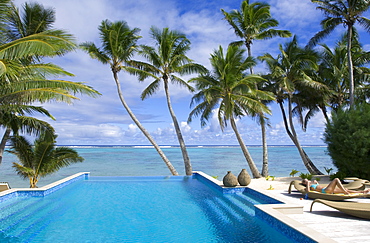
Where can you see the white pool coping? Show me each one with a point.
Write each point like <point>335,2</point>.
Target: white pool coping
<point>46,187</point>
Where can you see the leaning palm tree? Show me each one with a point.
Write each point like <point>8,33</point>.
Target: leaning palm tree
<point>347,13</point>
<point>230,91</point>
<point>254,22</point>
<point>41,158</point>
<point>118,46</point>
<point>290,74</point>
<point>166,60</point>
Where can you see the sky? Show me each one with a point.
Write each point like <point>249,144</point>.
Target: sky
<point>104,121</point>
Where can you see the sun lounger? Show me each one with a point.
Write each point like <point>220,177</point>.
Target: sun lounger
<point>318,195</point>
<point>361,210</point>
<point>4,186</point>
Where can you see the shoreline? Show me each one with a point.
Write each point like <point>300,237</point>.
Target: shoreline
<point>178,146</point>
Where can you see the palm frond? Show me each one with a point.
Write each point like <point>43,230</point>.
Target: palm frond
<point>45,90</point>
<point>48,43</point>
<point>22,148</point>
<point>151,89</point>
<point>95,52</point>
<point>182,83</point>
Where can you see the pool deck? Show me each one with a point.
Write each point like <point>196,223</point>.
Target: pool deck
<point>329,222</point>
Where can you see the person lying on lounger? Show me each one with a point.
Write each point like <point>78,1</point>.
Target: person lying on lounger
<point>335,186</point>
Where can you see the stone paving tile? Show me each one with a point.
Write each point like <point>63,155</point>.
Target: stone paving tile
<point>325,220</point>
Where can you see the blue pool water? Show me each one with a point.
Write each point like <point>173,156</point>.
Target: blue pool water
<point>133,209</point>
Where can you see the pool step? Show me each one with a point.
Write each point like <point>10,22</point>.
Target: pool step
<point>11,211</point>
<point>240,204</point>
<point>228,209</point>
<point>244,200</point>
<point>30,230</point>
<point>18,222</point>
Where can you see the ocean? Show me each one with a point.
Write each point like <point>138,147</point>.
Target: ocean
<point>144,161</point>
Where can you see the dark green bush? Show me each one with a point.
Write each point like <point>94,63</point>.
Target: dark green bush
<point>348,140</point>
<point>340,175</point>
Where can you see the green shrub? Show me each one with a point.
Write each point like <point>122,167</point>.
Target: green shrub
<point>293,172</point>
<point>307,176</point>
<point>340,175</point>
<point>328,170</point>
<point>348,140</point>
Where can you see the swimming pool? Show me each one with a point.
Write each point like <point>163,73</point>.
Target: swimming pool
<point>135,209</point>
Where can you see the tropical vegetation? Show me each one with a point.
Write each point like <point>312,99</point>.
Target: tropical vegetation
<point>302,80</point>
<point>346,13</point>
<point>254,22</point>
<point>348,138</point>
<point>231,92</point>
<point>26,38</point>
<point>40,158</point>
<point>291,74</point>
<point>166,61</point>
<point>119,43</point>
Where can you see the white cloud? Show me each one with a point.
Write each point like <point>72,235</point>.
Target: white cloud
<point>132,129</point>
<point>185,128</point>
<point>294,14</point>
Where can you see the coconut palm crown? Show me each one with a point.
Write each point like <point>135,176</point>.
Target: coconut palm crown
<point>253,22</point>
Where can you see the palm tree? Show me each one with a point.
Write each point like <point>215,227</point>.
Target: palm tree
<point>4,9</point>
<point>34,18</point>
<point>333,71</point>
<point>118,46</point>
<point>347,13</point>
<point>23,78</point>
<point>254,22</point>
<point>290,73</point>
<point>164,62</point>
<point>41,158</point>
<point>13,118</point>
<point>230,91</point>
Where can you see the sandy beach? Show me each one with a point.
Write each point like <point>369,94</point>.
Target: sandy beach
<point>329,222</point>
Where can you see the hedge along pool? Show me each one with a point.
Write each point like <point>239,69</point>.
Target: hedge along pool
<point>138,209</point>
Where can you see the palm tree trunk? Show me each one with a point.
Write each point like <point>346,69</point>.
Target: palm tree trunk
<point>33,182</point>
<point>249,55</point>
<point>142,129</point>
<point>188,167</point>
<point>350,66</point>
<point>248,157</point>
<point>293,136</point>
<point>3,143</point>
<point>265,168</point>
